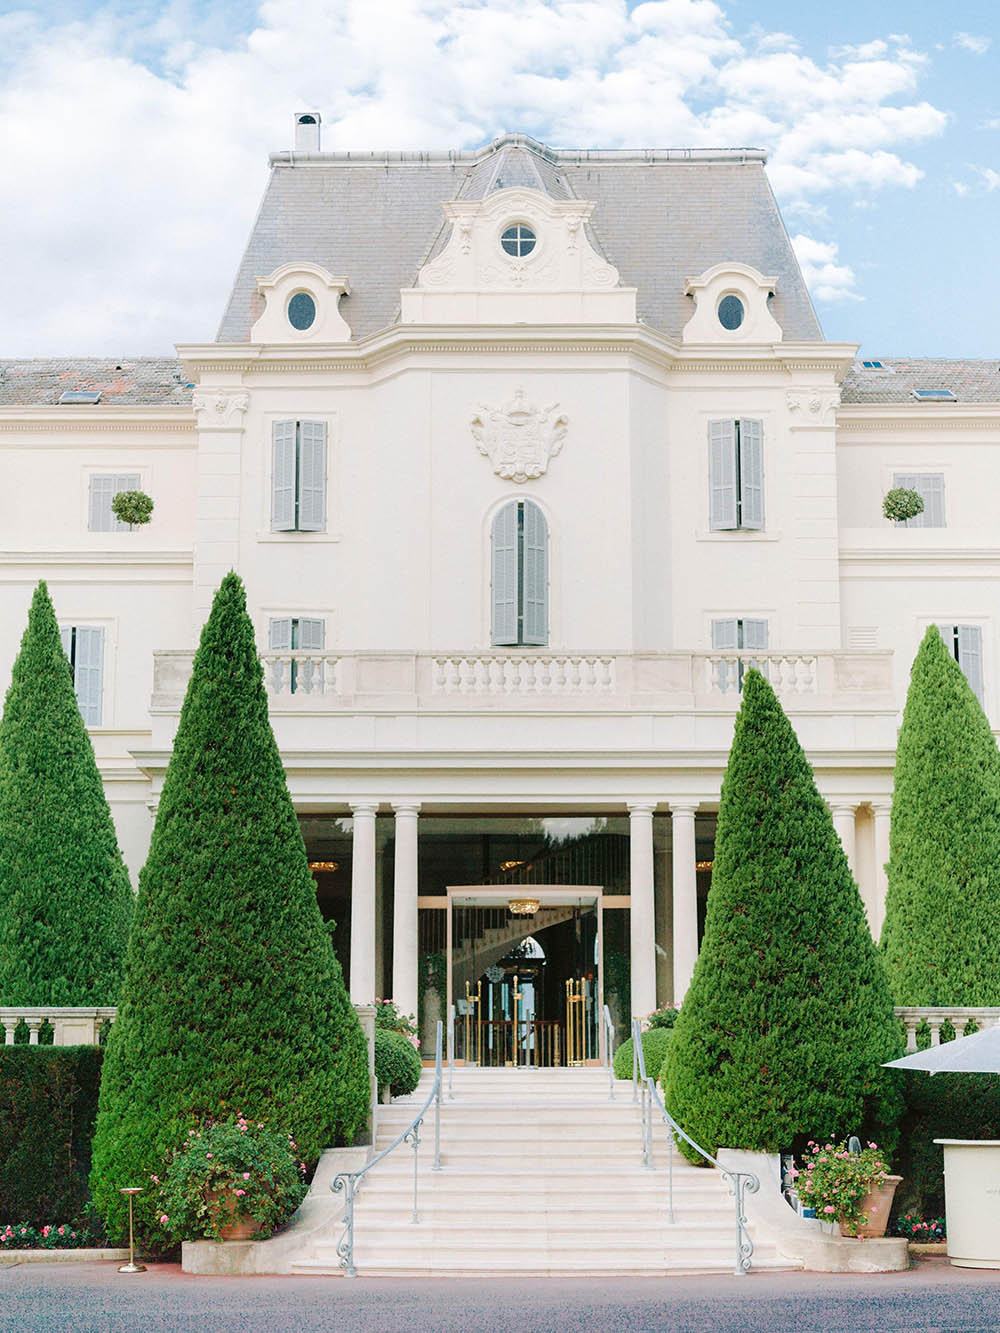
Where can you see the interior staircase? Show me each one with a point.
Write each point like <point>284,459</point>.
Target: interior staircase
<point>541,1175</point>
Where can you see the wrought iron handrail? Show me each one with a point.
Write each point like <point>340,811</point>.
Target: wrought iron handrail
<point>609,1051</point>
<point>350,1181</point>
<point>741,1183</point>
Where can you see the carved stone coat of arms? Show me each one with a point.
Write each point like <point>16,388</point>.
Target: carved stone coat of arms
<point>518,438</point>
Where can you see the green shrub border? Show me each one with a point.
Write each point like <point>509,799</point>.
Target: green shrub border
<point>48,1105</point>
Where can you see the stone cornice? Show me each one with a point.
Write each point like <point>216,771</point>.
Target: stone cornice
<point>168,419</point>
<point>472,340</point>
<point>858,418</point>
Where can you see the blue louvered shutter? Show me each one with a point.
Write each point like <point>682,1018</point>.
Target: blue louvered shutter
<point>99,515</point>
<point>283,477</point>
<point>311,634</point>
<point>751,473</point>
<point>930,487</point>
<point>88,671</point>
<point>722,474</point>
<point>535,566</point>
<point>755,634</point>
<point>970,657</point>
<point>724,639</point>
<point>312,476</point>
<point>503,581</point>
<point>279,633</point>
<point>724,634</point>
<point>66,636</point>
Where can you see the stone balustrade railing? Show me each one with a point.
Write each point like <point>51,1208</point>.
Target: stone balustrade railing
<point>70,1027</point>
<point>508,673</point>
<point>960,1017</point>
<point>789,673</point>
<point>304,680</point>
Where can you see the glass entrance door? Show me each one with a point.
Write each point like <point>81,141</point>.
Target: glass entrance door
<point>524,977</point>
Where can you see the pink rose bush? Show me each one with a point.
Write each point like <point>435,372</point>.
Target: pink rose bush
<point>835,1181</point>
<point>229,1171</point>
<point>22,1236</point>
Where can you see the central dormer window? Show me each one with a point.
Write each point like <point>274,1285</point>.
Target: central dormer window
<point>520,576</point>
<point>518,240</point>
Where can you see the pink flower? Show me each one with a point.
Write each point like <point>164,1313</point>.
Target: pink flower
<point>239,1193</point>
<point>155,1179</point>
<point>829,1208</point>
<point>164,1219</point>
<point>62,1231</point>
<point>246,1175</point>
<point>208,1156</point>
<point>190,1133</point>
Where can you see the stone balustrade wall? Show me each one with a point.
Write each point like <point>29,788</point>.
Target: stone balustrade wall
<point>960,1017</point>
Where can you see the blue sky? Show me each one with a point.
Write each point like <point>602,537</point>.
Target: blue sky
<point>136,135</point>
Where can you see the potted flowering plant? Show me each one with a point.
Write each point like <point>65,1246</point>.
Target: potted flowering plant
<point>854,1189</point>
<point>231,1180</point>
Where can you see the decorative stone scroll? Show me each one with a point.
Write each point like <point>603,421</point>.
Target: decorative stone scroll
<point>518,438</point>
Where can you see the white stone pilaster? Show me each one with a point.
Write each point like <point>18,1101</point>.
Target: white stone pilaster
<point>363,903</point>
<point>882,811</point>
<point>685,886</point>
<point>844,822</point>
<point>643,916</point>
<point>219,414</point>
<point>404,918</point>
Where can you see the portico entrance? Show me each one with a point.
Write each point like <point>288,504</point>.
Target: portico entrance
<point>524,974</point>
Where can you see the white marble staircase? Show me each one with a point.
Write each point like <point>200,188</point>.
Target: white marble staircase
<point>541,1174</point>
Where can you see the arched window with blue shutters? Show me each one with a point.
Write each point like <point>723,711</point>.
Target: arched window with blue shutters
<point>519,582</point>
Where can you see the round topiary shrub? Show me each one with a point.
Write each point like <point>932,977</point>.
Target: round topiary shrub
<point>654,1049</point>
<point>397,1064</point>
<point>900,503</point>
<point>132,507</point>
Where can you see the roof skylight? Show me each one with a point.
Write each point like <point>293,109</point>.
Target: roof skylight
<point>934,395</point>
<point>80,396</point>
<point>872,365</point>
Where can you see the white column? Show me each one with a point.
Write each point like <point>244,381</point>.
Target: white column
<point>843,822</point>
<point>685,896</point>
<point>643,917</point>
<point>363,903</point>
<point>404,911</point>
<point>882,811</point>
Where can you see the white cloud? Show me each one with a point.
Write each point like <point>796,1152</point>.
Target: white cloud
<point>967,41</point>
<point>137,139</point>
<point>989,177</point>
<point>960,188</point>
<point>826,279</point>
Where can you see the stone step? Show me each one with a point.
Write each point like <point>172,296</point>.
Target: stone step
<point>538,1266</point>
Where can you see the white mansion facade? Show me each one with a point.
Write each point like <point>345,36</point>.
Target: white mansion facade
<point>522,456</point>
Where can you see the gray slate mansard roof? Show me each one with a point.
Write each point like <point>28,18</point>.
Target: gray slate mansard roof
<point>660,216</point>
<point>145,381</point>
<point>969,381</point>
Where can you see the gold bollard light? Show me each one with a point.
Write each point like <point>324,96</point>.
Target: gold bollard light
<point>131,1266</point>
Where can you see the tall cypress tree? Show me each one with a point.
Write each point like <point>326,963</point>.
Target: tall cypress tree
<point>789,1016</point>
<point>65,897</point>
<point>941,937</point>
<point>232,995</point>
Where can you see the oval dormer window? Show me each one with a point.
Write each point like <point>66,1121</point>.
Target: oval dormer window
<point>731,313</point>
<point>518,240</point>
<point>302,311</point>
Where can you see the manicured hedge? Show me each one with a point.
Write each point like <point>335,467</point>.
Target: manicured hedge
<point>397,1064</point>
<point>654,1049</point>
<point>233,999</point>
<point>65,897</point>
<point>941,938</point>
<point>788,1018</point>
<point>48,1104</point>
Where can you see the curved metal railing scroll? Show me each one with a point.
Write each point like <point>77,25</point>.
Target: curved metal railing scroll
<point>349,1182</point>
<point>741,1183</point>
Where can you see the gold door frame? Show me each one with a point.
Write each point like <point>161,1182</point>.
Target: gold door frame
<point>548,895</point>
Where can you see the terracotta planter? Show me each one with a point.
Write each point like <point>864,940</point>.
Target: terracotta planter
<point>231,1225</point>
<point>876,1205</point>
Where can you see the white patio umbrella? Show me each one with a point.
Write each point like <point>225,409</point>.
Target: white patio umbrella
<point>978,1054</point>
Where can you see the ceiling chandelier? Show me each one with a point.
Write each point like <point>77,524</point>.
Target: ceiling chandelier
<point>522,906</point>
